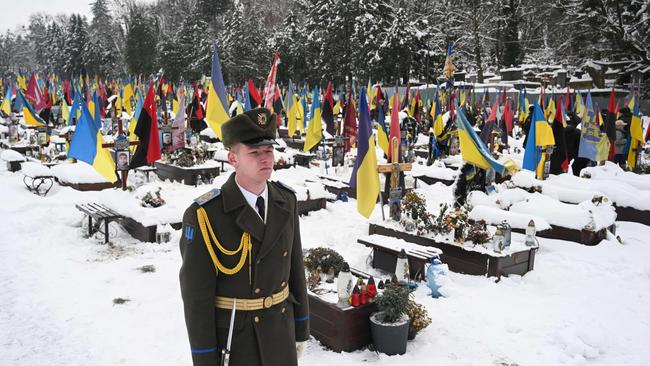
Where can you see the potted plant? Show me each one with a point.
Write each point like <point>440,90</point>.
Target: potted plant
<point>418,318</point>
<point>390,325</point>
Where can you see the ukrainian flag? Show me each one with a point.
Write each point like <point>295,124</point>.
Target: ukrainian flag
<point>6,102</point>
<point>365,178</point>
<point>315,128</point>
<point>382,132</point>
<point>30,117</point>
<point>86,145</point>
<point>472,148</point>
<point>291,111</point>
<point>538,138</point>
<point>636,134</point>
<point>217,108</point>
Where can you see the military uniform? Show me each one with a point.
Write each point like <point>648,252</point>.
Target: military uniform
<point>271,277</point>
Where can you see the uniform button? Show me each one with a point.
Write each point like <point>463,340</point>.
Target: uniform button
<point>257,319</point>
<point>257,290</point>
<point>259,261</point>
<point>284,309</point>
<point>282,284</point>
<point>285,253</point>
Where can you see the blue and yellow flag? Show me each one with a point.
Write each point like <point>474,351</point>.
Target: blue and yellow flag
<point>315,128</point>
<point>292,109</point>
<point>216,113</point>
<point>29,115</point>
<point>538,138</point>
<point>6,102</point>
<point>472,149</point>
<point>365,178</point>
<point>86,145</point>
<point>592,139</point>
<point>636,133</point>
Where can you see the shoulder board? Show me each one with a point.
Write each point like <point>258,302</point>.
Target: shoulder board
<point>207,196</point>
<point>285,186</point>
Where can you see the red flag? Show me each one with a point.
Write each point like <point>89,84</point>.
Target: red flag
<point>198,109</point>
<point>350,125</point>
<point>416,110</point>
<point>493,113</point>
<point>269,87</point>
<point>34,94</point>
<point>394,128</point>
<point>508,115</point>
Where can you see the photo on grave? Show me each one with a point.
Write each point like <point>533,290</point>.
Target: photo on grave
<point>42,136</point>
<point>167,138</point>
<point>122,160</point>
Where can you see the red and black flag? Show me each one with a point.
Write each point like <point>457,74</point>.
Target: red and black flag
<point>350,125</point>
<point>559,158</point>
<point>148,150</point>
<point>277,104</point>
<point>328,109</point>
<point>254,95</point>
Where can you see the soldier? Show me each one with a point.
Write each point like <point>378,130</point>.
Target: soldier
<point>242,244</point>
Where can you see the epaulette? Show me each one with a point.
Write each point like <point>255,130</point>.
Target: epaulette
<point>285,186</point>
<point>207,196</point>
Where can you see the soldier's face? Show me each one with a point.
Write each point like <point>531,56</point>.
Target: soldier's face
<point>252,163</point>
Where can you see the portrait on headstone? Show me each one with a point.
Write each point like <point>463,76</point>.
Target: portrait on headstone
<point>122,160</point>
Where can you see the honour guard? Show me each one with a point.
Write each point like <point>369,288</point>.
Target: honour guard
<point>242,257</point>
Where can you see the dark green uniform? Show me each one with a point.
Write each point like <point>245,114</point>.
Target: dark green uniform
<point>261,337</point>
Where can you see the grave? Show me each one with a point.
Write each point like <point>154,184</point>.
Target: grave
<point>473,261</point>
<point>191,176</point>
<point>385,250</point>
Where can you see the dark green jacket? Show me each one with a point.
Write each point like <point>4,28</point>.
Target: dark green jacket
<point>265,337</point>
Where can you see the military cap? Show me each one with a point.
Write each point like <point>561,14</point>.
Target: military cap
<point>254,128</point>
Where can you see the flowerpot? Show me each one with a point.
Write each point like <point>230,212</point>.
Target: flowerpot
<point>389,338</point>
<point>412,333</point>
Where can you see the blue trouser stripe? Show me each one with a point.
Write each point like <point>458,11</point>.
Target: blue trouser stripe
<point>302,319</point>
<point>207,350</point>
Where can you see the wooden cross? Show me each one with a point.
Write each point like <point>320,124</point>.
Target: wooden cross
<point>394,168</point>
<point>120,132</point>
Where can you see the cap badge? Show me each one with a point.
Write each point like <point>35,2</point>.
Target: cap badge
<point>261,119</point>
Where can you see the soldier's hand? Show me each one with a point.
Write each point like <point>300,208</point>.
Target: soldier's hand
<point>300,348</point>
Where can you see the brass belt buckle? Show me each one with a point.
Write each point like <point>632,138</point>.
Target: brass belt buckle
<point>268,302</point>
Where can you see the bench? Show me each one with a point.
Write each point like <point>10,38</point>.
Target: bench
<point>385,250</point>
<point>37,178</point>
<point>146,169</point>
<point>100,213</point>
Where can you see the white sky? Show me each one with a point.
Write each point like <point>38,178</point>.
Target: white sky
<point>15,13</point>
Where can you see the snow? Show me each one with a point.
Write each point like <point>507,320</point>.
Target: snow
<point>434,171</point>
<point>79,172</point>
<point>11,155</point>
<point>583,216</point>
<point>33,170</point>
<point>494,216</point>
<point>581,305</point>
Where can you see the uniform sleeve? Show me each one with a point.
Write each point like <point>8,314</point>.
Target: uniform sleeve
<point>298,285</point>
<point>198,281</point>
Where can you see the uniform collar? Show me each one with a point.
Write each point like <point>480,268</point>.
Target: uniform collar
<point>251,198</point>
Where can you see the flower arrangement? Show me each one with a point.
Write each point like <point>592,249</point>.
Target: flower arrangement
<point>417,216</point>
<point>324,261</point>
<point>418,317</point>
<point>393,302</point>
<point>478,233</point>
<point>152,199</point>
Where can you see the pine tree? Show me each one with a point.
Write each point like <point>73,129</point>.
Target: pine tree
<point>141,41</point>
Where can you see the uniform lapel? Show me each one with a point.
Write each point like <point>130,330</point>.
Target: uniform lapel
<point>247,219</point>
<point>277,219</point>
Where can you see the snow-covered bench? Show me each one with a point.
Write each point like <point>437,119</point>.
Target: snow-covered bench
<point>100,213</point>
<point>385,250</point>
<point>14,159</point>
<point>37,178</point>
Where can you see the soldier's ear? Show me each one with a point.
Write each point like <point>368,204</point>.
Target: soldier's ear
<point>232,157</point>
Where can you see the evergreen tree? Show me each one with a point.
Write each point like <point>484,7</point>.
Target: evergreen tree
<point>141,41</point>
<point>75,49</point>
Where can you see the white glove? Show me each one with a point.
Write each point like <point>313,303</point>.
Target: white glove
<point>300,348</point>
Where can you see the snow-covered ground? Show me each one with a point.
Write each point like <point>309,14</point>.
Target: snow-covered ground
<point>580,306</point>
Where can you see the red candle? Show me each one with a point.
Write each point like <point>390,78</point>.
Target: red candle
<point>355,299</point>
